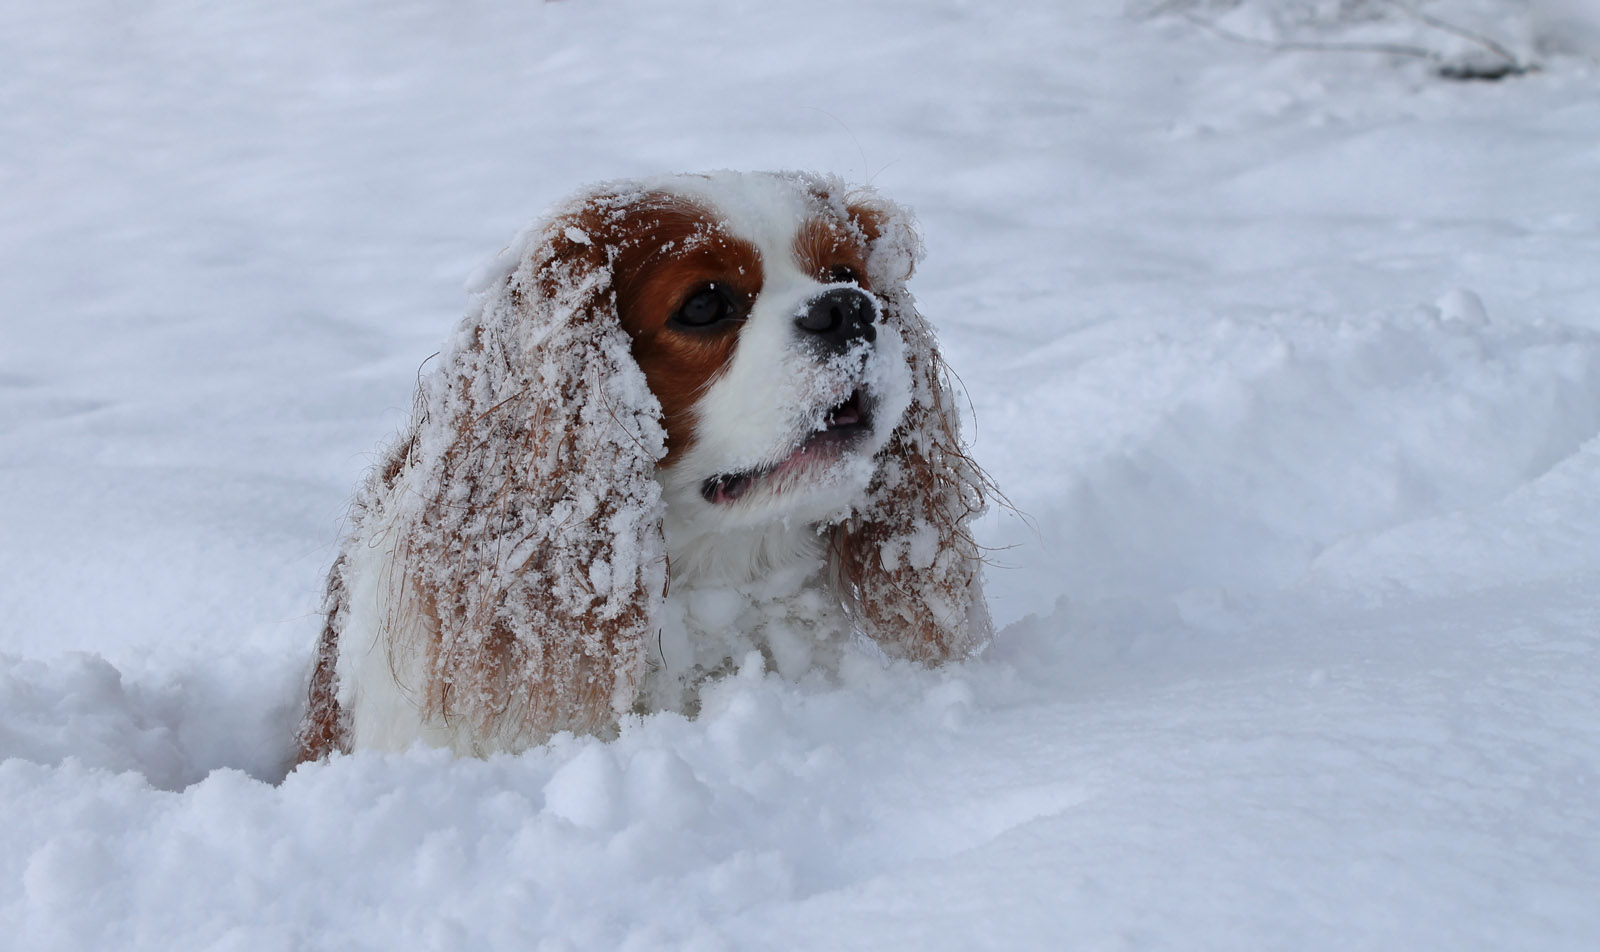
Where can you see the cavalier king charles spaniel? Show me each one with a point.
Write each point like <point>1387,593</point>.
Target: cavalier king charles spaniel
<point>687,418</point>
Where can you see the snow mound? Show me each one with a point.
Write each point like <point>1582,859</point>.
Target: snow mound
<point>172,726</point>
<point>1281,435</point>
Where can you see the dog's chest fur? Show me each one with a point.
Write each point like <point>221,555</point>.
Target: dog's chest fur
<point>755,591</point>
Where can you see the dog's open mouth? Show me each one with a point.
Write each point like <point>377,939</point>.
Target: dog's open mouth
<point>844,426</point>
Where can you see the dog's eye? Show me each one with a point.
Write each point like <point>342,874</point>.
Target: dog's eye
<point>843,274</point>
<point>705,307</point>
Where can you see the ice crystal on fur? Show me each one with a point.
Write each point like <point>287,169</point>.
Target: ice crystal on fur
<point>926,493</point>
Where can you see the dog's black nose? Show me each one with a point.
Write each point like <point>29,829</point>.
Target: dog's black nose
<point>839,317</point>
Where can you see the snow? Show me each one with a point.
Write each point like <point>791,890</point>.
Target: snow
<point>1291,360</point>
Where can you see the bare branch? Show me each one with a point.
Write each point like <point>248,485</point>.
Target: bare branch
<point>1470,36</point>
<point>1395,49</point>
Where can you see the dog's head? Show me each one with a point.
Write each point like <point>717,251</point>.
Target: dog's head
<point>718,350</point>
<point>750,304</point>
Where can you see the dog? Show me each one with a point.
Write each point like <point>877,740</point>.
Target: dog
<point>686,418</point>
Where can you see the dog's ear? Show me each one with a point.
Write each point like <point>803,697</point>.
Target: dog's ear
<point>906,562</point>
<point>530,561</point>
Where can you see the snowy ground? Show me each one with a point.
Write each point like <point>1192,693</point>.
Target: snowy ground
<point>1292,361</point>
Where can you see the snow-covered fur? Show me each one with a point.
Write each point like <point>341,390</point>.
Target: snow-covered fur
<point>686,418</point>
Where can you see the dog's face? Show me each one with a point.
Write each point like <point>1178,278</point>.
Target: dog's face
<point>753,317</point>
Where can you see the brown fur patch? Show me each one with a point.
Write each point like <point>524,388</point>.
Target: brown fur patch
<point>831,250</point>
<point>664,249</point>
<point>325,729</point>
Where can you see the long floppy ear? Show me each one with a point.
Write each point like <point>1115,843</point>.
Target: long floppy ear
<point>528,564</point>
<point>906,563</point>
